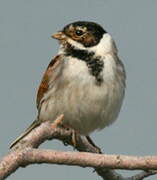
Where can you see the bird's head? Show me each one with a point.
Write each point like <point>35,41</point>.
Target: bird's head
<point>85,35</point>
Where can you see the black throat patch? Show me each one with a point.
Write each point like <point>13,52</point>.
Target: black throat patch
<point>95,64</point>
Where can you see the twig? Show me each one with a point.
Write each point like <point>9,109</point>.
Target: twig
<point>142,175</point>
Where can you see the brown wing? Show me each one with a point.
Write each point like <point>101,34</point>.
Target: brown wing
<point>48,75</point>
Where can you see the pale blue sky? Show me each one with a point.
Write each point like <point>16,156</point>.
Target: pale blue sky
<point>26,48</point>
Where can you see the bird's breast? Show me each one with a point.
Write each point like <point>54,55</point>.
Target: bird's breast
<point>93,106</point>
<point>85,104</point>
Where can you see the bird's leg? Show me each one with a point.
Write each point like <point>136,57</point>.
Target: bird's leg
<point>74,138</point>
<point>73,134</point>
<point>93,144</point>
<point>58,121</point>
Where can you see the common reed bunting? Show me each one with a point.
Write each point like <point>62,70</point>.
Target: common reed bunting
<point>85,81</point>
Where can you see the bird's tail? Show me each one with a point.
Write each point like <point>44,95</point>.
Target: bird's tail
<point>29,129</point>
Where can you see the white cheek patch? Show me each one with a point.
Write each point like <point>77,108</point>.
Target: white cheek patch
<point>106,45</point>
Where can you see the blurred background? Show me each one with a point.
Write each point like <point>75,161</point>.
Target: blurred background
<point>26,48</point>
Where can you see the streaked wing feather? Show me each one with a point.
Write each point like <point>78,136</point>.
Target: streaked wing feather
<point>48,75</point>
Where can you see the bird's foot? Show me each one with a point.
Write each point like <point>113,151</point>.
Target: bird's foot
<point>74,138</point>
<point>58,121</point>
<point>74,135</point>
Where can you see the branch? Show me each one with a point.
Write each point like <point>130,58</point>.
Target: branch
<point>30,156</point>
<point>24,154</point>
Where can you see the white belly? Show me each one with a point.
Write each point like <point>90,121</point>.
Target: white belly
<point>86,106</point>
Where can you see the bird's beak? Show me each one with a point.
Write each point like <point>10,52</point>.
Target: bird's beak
<point>59,35</point>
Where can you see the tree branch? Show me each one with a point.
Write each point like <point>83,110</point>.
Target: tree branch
<point>24,154</point>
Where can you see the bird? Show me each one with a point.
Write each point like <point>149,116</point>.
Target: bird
<point>85,81</point>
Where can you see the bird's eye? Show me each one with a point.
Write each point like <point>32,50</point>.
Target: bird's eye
<point>79,32</point>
